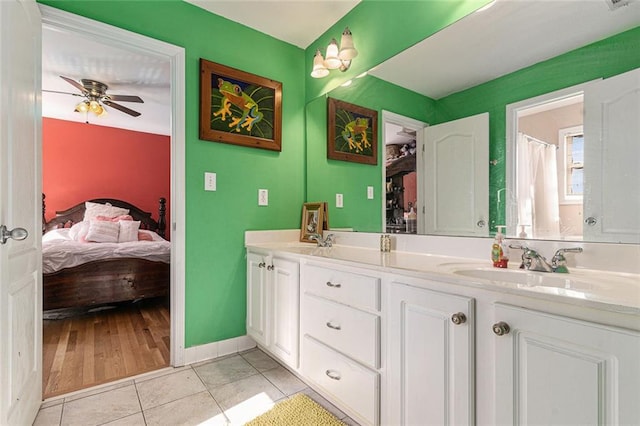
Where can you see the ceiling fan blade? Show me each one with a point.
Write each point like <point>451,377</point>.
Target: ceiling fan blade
<point>125,98</point>
<point>121,108</point>
<point>75,84</point>
<point>62,93</point>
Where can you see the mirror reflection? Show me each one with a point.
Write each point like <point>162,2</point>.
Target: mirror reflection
<point>450,92</point>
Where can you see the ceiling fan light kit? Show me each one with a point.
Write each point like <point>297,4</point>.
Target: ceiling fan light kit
<point>96,97</point>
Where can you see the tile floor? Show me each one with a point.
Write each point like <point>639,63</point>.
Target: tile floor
<point>225,391</point>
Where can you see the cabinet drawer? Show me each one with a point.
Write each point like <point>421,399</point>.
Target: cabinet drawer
<point>354,385</point>
<point>345,287</point>
<point>349,330</point>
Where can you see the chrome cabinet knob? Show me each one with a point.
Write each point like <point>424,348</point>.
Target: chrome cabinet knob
<point>481,223</point>
<point>270,268</point>
<point>501,328</point>
<point>262,265</point>
<point>332,374</point>
<point>591,221</point>
<point>15,234</point>
<point>330,284</point>
<point>458,318</point>
<point>335,327</point>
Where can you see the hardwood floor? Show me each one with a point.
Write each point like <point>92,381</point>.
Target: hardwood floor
<point>92,348</point>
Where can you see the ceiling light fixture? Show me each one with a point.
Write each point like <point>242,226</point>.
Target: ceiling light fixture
<point>91,104</point>
<point>335,57</point>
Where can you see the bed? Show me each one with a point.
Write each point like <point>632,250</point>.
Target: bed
<point>80,272</point>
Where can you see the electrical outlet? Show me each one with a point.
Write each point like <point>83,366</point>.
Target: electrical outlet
<point>339,201</point>
<point>209,181</point>
<point>370,192</point>
<point>263,197</point>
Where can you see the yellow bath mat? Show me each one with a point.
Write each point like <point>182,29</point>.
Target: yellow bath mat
<point>299,410</point>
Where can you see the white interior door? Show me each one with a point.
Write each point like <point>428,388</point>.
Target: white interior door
<point>456,179</point>
<point>611,159</point>
<point>20,207</point>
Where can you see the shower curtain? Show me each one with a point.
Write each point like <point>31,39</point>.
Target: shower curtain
<point>538,204</point>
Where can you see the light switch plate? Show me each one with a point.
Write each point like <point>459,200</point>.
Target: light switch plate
<point>263,197</point>
<point>370,192</point>
<point>209,181</point>
<point>339,201</point>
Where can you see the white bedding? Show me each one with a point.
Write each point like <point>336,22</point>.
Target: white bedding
<point>60,251</point>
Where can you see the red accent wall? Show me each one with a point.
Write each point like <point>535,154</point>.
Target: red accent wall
<point>81,161</point>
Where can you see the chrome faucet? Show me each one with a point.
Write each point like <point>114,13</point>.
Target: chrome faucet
<point>326,242</point>
<point>558,261</point>
<point>532,260</point>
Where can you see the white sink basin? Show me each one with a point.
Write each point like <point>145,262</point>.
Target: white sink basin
<point>524,278</point>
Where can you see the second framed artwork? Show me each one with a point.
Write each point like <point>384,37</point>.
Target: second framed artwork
<point>239,108</point>
<point>315,218</point>
<point>352,132</point>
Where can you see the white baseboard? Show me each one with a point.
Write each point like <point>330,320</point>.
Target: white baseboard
<point>218,349</point>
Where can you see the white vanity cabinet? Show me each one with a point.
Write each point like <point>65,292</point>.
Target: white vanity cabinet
<point>340,329</point>
<point>429,356</point>
<point>273,285</point>
<point>555,370</point>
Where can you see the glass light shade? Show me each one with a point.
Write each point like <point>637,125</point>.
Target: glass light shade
<point>95,107</point>
<point>82,107</point>
<point>319,70</point>
<point>331,60</point>
<point>347,49</point>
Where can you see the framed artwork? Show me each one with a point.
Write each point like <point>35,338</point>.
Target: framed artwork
<point>352,132</point>
<point>239,108</point>
<point>313,221</point>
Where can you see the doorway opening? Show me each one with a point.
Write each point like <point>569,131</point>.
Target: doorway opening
<point>545,167</point>
<point>145,322</point>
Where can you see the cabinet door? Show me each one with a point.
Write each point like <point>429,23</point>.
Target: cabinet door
<point>430,360</point>
<point>257,298</point>
<point>553,370</point>
<point>285,285</point>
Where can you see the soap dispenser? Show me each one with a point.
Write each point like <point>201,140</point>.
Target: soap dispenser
<point>499,254</point>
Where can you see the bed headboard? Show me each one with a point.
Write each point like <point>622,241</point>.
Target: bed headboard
<point>75,214</point>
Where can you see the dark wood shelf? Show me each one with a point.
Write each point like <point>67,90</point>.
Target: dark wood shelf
<point>402,165</point>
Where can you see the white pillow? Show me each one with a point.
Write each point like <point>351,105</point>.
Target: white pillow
<point>92,210</point>
<point>101,231</point>
<point>78,232</point>
<point>128,230</point>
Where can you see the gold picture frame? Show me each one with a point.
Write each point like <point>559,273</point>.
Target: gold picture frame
<point>314,220</point>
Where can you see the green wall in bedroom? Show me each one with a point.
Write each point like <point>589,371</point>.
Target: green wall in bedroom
<point>216,221</point>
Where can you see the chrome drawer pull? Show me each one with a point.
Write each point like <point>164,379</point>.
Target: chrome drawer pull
<point>332,374</point>
<point>330,284</point>
<point>335,327</point>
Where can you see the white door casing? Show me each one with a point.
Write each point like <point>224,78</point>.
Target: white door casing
<point>20,206</point>
<point>456,179</point>
<point>611,159</point>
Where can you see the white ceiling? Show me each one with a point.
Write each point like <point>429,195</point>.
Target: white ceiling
<point>510,35</point>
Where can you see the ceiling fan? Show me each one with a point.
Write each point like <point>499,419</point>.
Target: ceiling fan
<point>95,94</point>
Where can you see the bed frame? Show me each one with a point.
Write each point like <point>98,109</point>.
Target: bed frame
<point>110,280</point>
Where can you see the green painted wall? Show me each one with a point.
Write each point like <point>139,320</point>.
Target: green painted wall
<point>216,221</point>
<point>327,177</point>
<point>602,59</point>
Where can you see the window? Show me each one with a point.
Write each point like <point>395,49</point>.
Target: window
<point>571,142</point>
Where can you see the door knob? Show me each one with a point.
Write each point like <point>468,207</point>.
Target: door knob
<point>16,234</point>
<point>458,318</point>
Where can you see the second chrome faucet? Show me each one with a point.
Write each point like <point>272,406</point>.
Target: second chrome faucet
<point>534,261</point>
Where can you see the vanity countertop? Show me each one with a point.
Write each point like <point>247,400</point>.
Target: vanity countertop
<point>604,290</point>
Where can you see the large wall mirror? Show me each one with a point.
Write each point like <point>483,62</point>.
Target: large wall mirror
<point>487,61</point>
